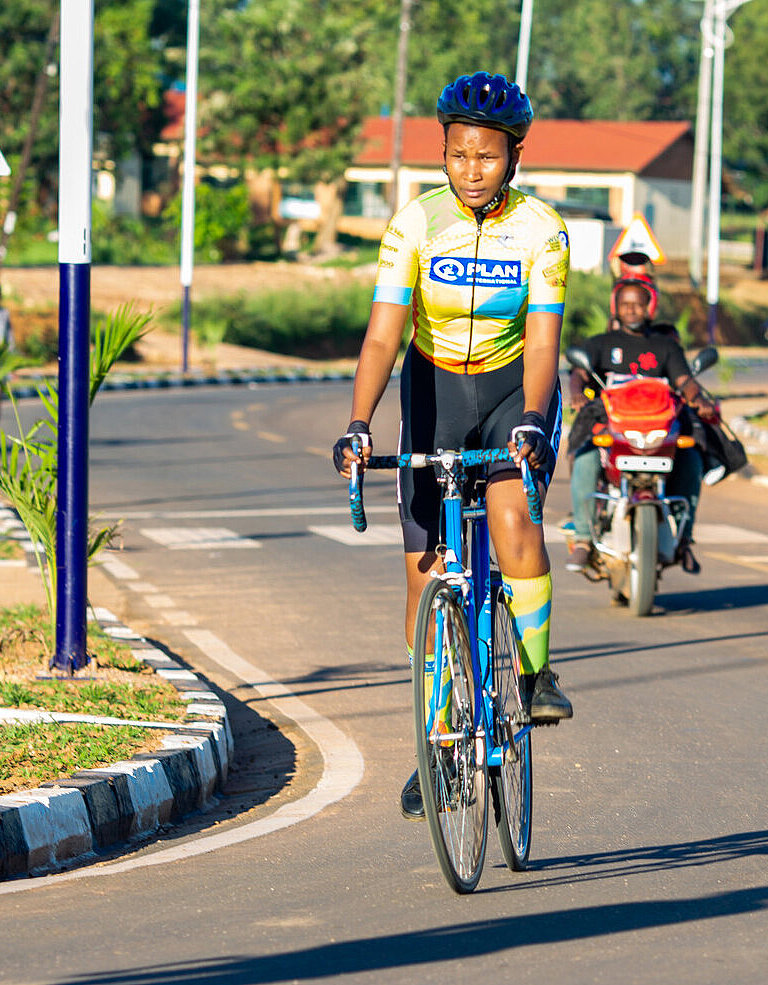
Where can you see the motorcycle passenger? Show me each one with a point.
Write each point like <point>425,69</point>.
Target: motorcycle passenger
<point>480,271</point>
<point>635,347</point>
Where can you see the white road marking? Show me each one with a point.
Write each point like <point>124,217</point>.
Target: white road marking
<point>377,535</point>
<point>342,771</point>
<point>120,570</point>
<point>159,601</point>
<point>197,538</point>
<point>240,513</point>
<point>724,533</point>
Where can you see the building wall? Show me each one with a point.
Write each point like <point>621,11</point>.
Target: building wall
<point>666,205</point>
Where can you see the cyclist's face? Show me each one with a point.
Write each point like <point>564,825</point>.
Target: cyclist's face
<point>476,160</point>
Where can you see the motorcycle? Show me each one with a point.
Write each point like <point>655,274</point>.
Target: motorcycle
<point>636,527</point>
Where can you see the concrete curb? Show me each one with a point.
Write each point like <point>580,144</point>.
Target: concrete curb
<point>70,821</point>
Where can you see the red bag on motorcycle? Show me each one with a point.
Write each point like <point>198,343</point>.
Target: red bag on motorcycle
<point>641,404</point>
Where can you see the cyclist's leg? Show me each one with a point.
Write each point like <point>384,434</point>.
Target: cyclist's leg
<point>523,559</point>
<point>434,411</point>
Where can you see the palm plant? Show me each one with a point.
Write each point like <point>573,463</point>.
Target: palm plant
<point>29,461</point>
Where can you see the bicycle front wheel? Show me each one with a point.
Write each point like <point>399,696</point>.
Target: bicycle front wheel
<point>450,743</point>
<point>512,782</point>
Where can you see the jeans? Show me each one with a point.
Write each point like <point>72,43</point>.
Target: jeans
<point>685,480</point>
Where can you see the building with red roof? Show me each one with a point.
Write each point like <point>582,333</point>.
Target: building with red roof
<point>601,171</point>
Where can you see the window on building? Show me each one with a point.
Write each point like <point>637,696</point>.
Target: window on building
<point>367,199</point>
<point>596,198</point>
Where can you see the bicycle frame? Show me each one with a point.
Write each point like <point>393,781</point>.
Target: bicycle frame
<point>472,585</point>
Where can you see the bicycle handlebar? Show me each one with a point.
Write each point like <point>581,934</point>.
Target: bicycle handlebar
<point>417,460</point>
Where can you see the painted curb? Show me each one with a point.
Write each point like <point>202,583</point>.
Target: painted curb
<point>70,821</point>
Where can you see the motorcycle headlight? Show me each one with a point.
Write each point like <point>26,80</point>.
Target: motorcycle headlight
<point>645,440</point>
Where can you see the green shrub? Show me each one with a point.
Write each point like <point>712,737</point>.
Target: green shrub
<point>128,241</point>
<point>587,306</point>
<point>326,321</point>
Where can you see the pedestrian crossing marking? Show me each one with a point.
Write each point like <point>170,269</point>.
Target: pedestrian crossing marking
<point>377,535</point>
<point>198,538</point>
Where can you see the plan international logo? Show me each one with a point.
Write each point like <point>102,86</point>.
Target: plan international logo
<point>483,273</point>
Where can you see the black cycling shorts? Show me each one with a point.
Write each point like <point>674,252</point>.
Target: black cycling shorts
<point>440,409</point>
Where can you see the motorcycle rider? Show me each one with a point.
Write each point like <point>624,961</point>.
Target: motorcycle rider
<point>632,348</point>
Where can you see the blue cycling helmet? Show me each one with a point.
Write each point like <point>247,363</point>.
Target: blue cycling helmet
<point>487,101</point>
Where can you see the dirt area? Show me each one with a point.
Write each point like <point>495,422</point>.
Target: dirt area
<point>32,296</point>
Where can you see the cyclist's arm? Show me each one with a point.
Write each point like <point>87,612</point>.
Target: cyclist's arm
<point>540,359</point>
<point>374,367</point>
<point>377,357</point>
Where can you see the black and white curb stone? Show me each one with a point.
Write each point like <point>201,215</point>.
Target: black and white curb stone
<point>70,821</point>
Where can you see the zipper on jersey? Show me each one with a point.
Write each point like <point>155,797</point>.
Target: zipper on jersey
<point>472,302</point>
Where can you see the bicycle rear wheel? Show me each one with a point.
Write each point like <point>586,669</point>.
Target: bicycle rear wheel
<point>512,782</point>
<point>453,772</point>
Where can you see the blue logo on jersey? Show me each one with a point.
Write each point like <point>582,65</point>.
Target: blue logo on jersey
<point>484,273</point>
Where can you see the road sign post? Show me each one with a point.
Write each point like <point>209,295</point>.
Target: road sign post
<point>75,162</point>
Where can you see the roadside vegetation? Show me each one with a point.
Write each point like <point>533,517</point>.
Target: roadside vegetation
<point>115,685</point>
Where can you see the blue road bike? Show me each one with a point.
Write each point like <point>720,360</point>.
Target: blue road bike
<point>473,733</point>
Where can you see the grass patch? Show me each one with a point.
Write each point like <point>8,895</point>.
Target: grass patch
<point>114,684</point>
<point>42,753</point>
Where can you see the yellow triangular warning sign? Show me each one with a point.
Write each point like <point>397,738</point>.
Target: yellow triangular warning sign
<point>638,238</point>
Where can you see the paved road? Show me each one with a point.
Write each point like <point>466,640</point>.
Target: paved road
<point>650,827</point>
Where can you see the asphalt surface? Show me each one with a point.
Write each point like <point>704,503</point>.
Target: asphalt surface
<point>650,825</point>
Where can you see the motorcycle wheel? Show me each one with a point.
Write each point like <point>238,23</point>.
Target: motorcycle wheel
<point>645,549</point>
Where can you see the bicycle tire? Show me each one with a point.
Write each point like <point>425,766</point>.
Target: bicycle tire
<point>512,782</point>
<point>453,773</point>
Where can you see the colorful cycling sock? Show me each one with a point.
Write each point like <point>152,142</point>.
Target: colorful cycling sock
<point>529,601</point>
<point>444,705</point>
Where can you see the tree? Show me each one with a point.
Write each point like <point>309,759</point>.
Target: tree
<point>745,110</point>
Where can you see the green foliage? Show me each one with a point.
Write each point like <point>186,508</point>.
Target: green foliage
<point>301,92</point>
<point>123,240</point>
<point>221,219</point>
<point>328,321</point>
<point>587,306</point>
<point>29,460</point>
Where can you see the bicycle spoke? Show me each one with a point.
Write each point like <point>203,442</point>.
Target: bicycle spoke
<point>452,764</point>
<point>513,780</point>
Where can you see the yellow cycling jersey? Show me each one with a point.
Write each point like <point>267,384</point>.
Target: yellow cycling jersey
<point>472,285</point>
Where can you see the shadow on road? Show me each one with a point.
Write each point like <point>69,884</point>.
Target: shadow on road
<point>715,599</point>
<point>484,937</point>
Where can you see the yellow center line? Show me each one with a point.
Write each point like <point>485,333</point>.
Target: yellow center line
<point>271,436</point>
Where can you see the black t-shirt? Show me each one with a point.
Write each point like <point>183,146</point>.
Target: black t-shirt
<point>636,355</point>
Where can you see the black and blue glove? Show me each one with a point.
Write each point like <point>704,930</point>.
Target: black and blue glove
<point>357,429</point>
<point>531,431</point>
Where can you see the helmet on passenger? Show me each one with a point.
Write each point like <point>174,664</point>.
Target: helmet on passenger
<point>487,101</point>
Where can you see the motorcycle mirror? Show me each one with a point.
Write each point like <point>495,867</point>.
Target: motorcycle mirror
<point>578,358</point>
<point>706,358</point>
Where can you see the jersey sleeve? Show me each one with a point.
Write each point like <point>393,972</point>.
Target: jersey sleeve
<point>398,267</point>
<point>548,276</point>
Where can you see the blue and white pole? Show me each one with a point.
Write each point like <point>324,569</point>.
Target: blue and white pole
<point>188,190</point>
<point>75,160</point>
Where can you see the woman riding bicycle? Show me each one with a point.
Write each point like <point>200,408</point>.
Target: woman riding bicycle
<point>482,268</point>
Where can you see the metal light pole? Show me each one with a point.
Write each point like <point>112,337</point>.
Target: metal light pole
<point>75,162</point>
<point>701,146</point>
<point>188,191</point>
<point>722,9</point>
<point>524,44</point>
<point>397,115</point>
